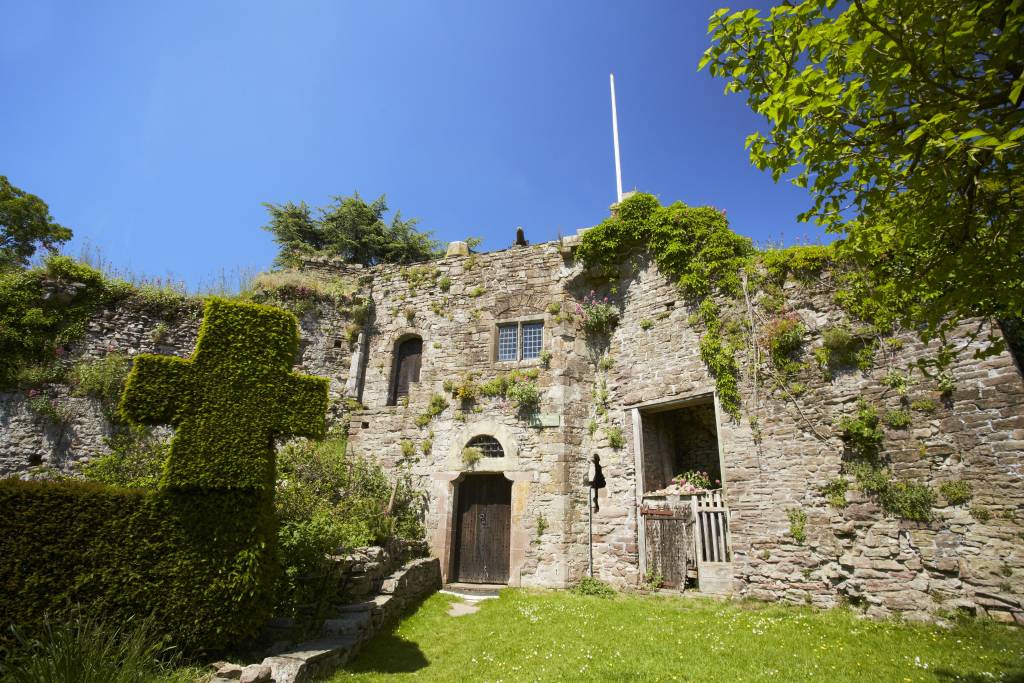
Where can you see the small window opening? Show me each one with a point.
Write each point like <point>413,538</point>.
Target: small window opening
<point>337,343</point>
<point>488,445</point>
<point>677,441</point>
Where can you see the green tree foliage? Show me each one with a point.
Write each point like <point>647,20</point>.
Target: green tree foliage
<point>904,120</point>
<point>25,225</point>
<point>348,228</point>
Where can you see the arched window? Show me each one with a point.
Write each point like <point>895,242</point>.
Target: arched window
<point>488,445</point>
<point>407,368</point>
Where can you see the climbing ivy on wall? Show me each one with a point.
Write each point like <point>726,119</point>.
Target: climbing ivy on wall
<point>694,247</point>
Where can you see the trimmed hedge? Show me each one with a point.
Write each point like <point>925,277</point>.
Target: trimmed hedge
<point>230,400</point>
<point>203,564</point>
<point>200,553</point>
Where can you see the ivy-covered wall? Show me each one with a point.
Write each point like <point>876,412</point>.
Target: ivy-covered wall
<point>909,486</point>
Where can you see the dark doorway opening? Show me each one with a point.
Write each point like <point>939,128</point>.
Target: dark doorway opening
<point>678,440</point>
<point>483,529</point>
<point>408,355</point>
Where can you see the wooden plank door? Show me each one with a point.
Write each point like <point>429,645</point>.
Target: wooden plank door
<point>667,544</point>
<point>407,368</point>
<point>484,521</point>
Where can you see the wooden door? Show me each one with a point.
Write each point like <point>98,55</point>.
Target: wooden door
<point>407,368</point>
<point>484,521</point>
<point>669,549</point>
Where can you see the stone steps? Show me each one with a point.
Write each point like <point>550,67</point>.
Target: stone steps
<point>341,636</point>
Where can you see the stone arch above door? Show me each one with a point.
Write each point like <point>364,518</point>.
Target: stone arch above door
<point>500,432</point>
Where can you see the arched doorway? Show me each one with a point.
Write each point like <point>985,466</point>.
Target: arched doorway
<point>408,355</point>
<point>483,529</point>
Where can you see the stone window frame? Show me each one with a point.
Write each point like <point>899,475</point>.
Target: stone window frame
<point>519,321</point>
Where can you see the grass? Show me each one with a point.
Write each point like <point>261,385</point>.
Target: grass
<point>550,636</point>
<point>83,649</point>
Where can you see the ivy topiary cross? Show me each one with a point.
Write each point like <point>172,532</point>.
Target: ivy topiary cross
<point>230,400</point>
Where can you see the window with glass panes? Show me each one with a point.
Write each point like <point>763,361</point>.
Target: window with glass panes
<point>520,340</point>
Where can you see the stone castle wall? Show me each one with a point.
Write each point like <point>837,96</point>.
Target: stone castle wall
<point>970,556</point>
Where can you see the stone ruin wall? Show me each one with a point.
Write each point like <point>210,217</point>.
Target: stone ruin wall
<point>854,554</point>
<point>31,446</point>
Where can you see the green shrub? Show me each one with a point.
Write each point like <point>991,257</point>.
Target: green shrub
<point>861,431</point>
<point>898,419</point>
<point>545,358</point>
<point>908,500</point>
<point>445,283</point>
<point>102,378</point>
<point>437,405</point>
<point>924,405</point>
<point>232,397</point>
<point>615,438</point>
<point>981,514</point>
<point>85,650</point>
<point>805,262</point>
<point>841,348</point>
<point>897,381</point>
<point>471,455</point>
<point>477,291</point>
<point>44,309</point>
<point>784,338</point>
<point>48,408</point>
<point>646,324</point>
<point>596,316</point>
<point>408,448</point>
<point>465,390</point>
<point>797,524</point>
<point>956,492</point>
<point>524,395</point>
<point>593,587</point>
<point>136,460</point>
<point>328,502</point>
<point>835,491</point>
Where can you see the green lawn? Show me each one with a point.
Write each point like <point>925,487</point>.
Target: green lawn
<point>550,636</point>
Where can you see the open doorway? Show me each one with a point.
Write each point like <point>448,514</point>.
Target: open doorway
<point>680,440</point>
<point>685,527</point>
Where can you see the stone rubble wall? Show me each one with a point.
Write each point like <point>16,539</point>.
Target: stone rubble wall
<point>964,559</point>
<point>31,445</point>
<point>970,557</point>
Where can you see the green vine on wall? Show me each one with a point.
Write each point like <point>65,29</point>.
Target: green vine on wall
<point>692,246</point>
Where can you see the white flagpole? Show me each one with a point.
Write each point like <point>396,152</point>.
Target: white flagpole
<point>615,135</point>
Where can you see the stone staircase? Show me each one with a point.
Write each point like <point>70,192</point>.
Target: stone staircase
<point>342,635</point>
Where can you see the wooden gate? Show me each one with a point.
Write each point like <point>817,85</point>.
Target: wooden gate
<point>483,531</point>
<point>668,542</point>
<point>712,527</point>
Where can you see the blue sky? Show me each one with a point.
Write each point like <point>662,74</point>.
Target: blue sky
<point>157,130</point>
